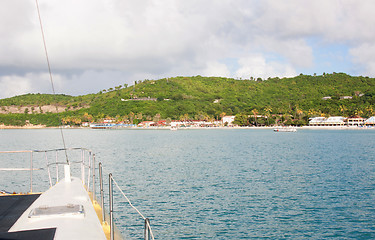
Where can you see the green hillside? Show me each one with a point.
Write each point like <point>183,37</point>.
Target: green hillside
<point>293,99</point>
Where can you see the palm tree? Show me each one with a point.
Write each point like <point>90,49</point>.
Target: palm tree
<point>125,118</point>
<point>222,114</point>
<point>118,118</point>
<point>156,117</point>
<point>268,110</point>
<point>168,121</point>
<point>221,117</point>
<point>87,117</point>
<point>358,112</point>
<point>299,113</point>
<point>370,110</point>
<point>65,120</point>
<point>139,116</point>
<point>131,117</point>
<point>286,117</point>
<point>255,114</point>
<point>343,109</point>
<point>184,117</point>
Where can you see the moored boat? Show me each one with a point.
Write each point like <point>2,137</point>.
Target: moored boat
<point>285,129</point>
<point>102,125</point>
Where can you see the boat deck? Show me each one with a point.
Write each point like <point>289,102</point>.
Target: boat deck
<point>68,209</point>
<point>40,234</point>
<point>11,208</point>
<point>65,206</point>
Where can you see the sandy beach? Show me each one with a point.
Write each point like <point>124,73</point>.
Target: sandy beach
<point>30,126</point>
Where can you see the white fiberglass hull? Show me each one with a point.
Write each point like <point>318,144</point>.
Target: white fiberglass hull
<point>83,224</point>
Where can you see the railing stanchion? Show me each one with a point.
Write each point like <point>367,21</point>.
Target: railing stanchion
<point>48,169</point>
<point>82,168</point>
<point>57,168</point>
<point>101,190</point>
<point>31,172</point>
<point>93,177</point>
<point>111,223</point>
<point>89,171</point>
<point>147,229</point>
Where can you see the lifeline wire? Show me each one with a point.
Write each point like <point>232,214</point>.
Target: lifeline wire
<point>127,199</point>
<point>50,76</point>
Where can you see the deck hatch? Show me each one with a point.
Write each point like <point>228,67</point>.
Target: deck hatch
<point>69,210</point>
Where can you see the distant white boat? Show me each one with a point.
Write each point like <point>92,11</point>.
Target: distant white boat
<point>102,125</point>
<point>285,129</point>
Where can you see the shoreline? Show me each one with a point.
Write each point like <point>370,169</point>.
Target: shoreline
<point>194,128</point>
<point>29,126</point>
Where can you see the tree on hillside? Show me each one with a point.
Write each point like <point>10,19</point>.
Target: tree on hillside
<point>139,116</point>
<point>370,110</point>
<point>87,117</point>
<point>268,111</point>
<point>255,114</point>
<point>184,117</point>
<point>125,118</point>
<point>241,120</point>
<point>131,117</point>
<point>223,114</point>
<point>299,113</point>
<point>343,109</point>
<point>157,117</point>
<point>168,121</point>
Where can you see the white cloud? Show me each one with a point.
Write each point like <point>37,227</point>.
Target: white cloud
<point>295,51</point>
<point>363,55</point>
<point>216,69</point>
<point>286,26</point>
<point>14,85</point>
<point>107,43</point>
<point>257,66</point>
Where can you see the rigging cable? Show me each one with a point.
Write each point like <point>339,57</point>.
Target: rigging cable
<point>51,80</point>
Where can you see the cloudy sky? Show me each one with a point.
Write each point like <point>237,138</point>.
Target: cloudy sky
<point>99,44</point>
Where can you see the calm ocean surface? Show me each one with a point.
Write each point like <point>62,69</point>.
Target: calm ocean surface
<point>231,184</point>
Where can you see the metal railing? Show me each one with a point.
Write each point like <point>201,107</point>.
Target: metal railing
<point>86,162</point>
<point>147,227</point>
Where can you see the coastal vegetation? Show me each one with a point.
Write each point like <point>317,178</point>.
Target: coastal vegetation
<point>254,101</point>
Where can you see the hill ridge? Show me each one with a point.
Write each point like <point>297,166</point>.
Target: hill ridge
<point>200,97</point>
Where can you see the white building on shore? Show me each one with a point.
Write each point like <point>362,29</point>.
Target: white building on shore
<point>341,121</point>
<point>355,121</point>
<point>335,121</point>
<point>330,121</point>
<point>228,120</point>
<point>370,121</point>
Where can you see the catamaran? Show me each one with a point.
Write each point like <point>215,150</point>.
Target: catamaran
<point>73,206</point>
<point>69,208</point>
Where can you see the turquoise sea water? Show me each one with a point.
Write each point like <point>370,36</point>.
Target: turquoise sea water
<point>232,184</point>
